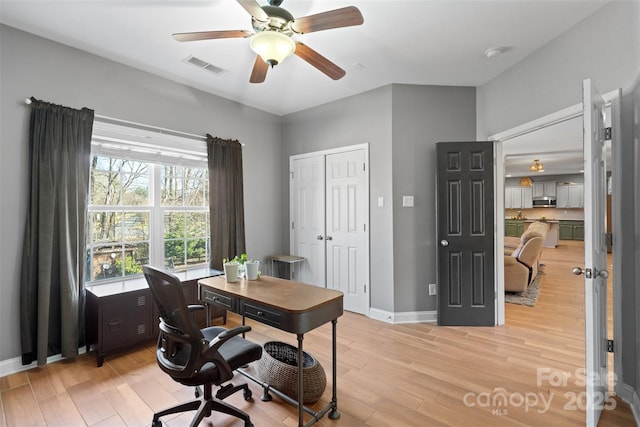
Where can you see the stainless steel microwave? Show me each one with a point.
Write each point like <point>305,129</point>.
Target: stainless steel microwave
<point>544,202</point>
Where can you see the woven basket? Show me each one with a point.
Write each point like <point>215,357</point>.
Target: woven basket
<point>278,367</point>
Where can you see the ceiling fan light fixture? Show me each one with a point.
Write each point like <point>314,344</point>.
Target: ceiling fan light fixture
<point>272,46</point>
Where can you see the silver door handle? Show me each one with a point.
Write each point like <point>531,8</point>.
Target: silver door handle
<point>319,237</point>
<point>578,271</point>
<point>602,273</point>
<point>444,242</point>
<point>329,238</point>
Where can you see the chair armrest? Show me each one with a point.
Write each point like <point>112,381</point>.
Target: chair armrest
<point>211,352</point>
<point>195,307</point>
<point>222,337</point>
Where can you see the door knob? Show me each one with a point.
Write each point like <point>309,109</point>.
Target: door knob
<point>329,238</point>
<point>444,242</point>
<point>602,273</point>
<point>319,237</point>
<point>578,271</point>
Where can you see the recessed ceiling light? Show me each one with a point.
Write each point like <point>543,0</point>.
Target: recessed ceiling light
<point>493,52</point>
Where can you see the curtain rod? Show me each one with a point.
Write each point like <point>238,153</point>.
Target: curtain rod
<point>144,126</point>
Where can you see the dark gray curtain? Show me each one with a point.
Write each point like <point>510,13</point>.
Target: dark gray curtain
<point>53,255</point>
<point>226,200</point>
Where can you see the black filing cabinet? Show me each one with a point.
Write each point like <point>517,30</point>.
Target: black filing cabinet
<point>123,315</point>
<point>119,316</point>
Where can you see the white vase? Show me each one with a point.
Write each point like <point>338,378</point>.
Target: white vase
<point>231,272</point>
<point>251,269</point>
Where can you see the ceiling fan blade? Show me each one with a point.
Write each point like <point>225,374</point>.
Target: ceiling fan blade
<point>320,62</point>
<point>254,10</point>
<point>344,17</point>
<point>259,72</point>
<point>209,35</point>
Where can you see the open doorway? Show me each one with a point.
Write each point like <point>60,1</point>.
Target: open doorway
<point>511,154</point>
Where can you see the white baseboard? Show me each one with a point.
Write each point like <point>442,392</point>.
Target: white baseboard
<point>629,395</point>
<point>13,366</point>
<point>406,317</point>
<point>635,407</point>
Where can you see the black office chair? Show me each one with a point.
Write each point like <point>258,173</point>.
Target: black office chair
<point>197,357</point>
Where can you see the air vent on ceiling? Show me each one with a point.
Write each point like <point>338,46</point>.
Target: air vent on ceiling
<point>204,65</point>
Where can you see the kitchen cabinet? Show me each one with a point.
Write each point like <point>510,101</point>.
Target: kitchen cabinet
<point>518,198</point>
<point>544,189</point>
<point>578,231</point>
<point>570,196</point>
<point>571,230</point>
<point>514,227</point>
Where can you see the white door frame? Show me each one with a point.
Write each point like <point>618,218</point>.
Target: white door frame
<point>616,212</point>
<point>365,147</point>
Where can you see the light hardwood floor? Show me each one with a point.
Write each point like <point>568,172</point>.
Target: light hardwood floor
<point>388,375</point>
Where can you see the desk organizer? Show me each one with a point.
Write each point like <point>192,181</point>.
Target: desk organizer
<point>278,367</point>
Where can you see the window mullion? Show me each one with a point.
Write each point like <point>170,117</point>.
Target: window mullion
<point>157,215</point>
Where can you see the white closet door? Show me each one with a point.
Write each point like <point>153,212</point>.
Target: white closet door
<point>347,216</point>
<point>308,217</point>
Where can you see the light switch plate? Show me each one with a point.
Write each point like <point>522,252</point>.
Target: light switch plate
<point>407,201</point>
<point>380,201</point>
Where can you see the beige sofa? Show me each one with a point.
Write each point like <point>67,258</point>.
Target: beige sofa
<point>522,257</point>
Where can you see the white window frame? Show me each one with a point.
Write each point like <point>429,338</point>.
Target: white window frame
<point>157,147</point>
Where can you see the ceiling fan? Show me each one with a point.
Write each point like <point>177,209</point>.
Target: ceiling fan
<point>272,42</point>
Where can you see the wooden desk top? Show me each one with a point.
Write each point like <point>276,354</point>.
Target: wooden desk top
<point>285,295</point>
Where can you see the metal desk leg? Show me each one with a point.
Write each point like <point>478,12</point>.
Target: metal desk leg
<point>300,381</point>
<point>334,414</point>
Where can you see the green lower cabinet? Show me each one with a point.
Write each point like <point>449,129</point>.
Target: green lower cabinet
<point>513,228</point>
<point>571,230</point>
<point>565,231</point>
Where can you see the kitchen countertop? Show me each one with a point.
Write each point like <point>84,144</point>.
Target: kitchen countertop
<point>533,220</point>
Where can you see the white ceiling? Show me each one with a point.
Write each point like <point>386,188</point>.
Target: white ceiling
<point>410,42</point>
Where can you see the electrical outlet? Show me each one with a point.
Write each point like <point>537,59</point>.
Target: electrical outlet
<point>432,288</point>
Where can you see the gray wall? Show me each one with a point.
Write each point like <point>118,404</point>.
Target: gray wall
<point>401,123</point>
<point>422,116</point>
<point>605,47</point>
<point>33,66</point>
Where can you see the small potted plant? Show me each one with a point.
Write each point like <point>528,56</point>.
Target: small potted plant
<point>232,269</point>
<point>251,268</point>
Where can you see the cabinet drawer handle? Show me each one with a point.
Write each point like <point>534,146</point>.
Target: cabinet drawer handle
<point>114,325</point>
<point>260,313</point>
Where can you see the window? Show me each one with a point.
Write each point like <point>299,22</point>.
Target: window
<point>118,234</point>
<point>185,212</point>
<point>142,211</point>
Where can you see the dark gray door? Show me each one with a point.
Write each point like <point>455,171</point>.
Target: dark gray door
<point>465,227</point>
